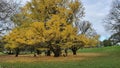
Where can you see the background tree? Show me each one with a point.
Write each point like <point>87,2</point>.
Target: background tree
<point>113,21</point>
<point>1,46</point>
<point>107,43</point>
<point>115,38</point>
<point>87,37</point>
<point>7,9</point>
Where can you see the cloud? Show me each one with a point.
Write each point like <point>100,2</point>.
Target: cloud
<point>96,11</point>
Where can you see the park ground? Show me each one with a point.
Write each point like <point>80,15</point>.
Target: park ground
<point>105,57</point>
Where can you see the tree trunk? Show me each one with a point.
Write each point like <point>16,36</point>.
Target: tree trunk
<point>17,52</point>
<point>74,51</point>
<point>34,51</point>
<point>48,53</point>
<point>10,52</point>
<point>31,50</point>
<point>66,53</point>
<point>35,54</point>
<point>38,52</point>
<point>57,52</point>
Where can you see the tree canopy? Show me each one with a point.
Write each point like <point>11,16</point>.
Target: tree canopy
<point>113,21</point>
<point>50,24</point>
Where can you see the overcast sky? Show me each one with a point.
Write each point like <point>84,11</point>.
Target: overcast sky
<point>95,12</point>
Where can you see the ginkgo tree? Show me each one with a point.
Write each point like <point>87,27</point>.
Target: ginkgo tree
<point>48,24</point>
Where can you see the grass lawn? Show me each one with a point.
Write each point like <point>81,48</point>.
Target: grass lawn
<point>1,53</point>
<point>107,57</point>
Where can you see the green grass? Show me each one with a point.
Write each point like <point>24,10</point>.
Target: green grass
<point>110,60</point>
<point>1,53</point>
<point>111,49</point>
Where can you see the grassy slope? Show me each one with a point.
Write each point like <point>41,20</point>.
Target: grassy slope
<point>111,60</point>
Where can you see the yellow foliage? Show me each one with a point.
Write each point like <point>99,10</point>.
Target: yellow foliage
<point>48,21</point>
<point>11,45</point>
<point>43,11</point>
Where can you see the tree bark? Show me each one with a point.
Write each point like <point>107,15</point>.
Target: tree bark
<point>48,53</point>
<point>57,52</point>
<point>34,51</point>
<point>66,53</point>
<point>38,52</point>
<point>17,52</point>
<point>74,51</point>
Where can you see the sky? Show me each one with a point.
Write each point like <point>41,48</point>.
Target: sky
<point>95,12</point>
